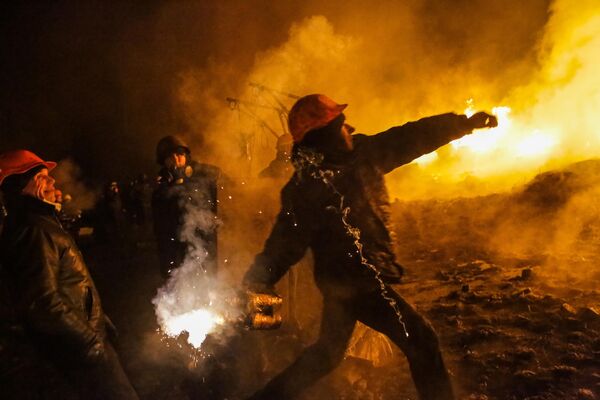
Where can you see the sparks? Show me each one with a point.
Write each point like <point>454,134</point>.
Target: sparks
<point>198,324</point>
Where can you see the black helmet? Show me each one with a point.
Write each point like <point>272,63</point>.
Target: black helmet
<point>168,145</point>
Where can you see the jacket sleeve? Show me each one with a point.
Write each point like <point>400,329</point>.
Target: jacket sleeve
<point>37,265</point>
<point>402,144</point>
<point>284,247</point>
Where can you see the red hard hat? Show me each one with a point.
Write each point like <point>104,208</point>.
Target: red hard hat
<point>20,161</point>
<point>312,112</point>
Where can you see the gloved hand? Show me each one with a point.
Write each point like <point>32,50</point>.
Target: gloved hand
<point>482,120</point>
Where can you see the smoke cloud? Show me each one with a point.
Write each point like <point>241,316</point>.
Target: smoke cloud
<point>139,72</point>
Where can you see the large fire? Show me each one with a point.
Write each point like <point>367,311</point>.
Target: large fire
<point>551,122</point>
<point>529,145</point>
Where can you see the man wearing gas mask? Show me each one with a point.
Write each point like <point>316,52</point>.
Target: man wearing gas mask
<point>52,293</point>
<point>337,204</point>
<point>184,208</point>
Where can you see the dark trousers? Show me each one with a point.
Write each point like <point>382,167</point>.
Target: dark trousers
<point>48,373</point>
<point>421,346</point>
<point>106,380</point>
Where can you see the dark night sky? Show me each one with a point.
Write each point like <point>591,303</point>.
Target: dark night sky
<point>95,80</point>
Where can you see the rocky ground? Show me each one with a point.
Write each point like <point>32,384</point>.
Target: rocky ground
<point>509,282</point>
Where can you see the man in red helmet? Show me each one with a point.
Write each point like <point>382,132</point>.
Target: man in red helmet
<point>336,204</point>
<point>53,294</point>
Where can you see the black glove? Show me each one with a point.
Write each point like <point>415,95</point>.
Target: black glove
<point>482,120</point>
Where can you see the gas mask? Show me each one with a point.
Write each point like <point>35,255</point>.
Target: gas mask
<point>179,175</point>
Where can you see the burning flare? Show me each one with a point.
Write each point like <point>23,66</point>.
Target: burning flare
<point>198,324</point>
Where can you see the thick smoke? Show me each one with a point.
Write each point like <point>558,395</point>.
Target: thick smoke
<point>392,63</point>
<point>427,59</point>
<point>390,70</point>
<point>430,59</point>
<point>553,118</point>
<point>193,300</point>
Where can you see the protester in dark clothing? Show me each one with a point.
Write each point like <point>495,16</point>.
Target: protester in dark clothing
<point>336,204</point>
<point>53,294</point>
<point>184,208</point>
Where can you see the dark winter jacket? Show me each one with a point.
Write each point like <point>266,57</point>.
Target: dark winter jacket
<point>176,196</point>
<point>337,205</point>
<point>51,288</point>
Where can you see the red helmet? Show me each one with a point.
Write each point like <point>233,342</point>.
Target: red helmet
<point>312,112</point>
<point>20,161</point>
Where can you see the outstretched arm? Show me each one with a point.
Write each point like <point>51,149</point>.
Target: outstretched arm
<point>402,144</point>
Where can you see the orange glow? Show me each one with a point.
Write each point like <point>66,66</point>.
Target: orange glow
<point>486,140</point>
<point>536,144</point>
<point>426,159</point>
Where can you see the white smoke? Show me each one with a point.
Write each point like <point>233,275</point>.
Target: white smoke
<point>192,300</point>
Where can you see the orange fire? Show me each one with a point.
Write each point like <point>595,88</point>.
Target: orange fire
<point>551,122</point>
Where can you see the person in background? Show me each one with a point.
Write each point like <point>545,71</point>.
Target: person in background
<point>51,289</point>
<point>336,204</point>
<point>184,208</point>
<point>110,216</point>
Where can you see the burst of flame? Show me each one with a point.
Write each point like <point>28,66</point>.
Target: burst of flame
<point>537,144</point>
<point>485,141</point>
<point>552,120</point>
<point>198,324</point>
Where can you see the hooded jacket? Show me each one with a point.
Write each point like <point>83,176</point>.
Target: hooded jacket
<point>337,204</point>
<point>51,288</point>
